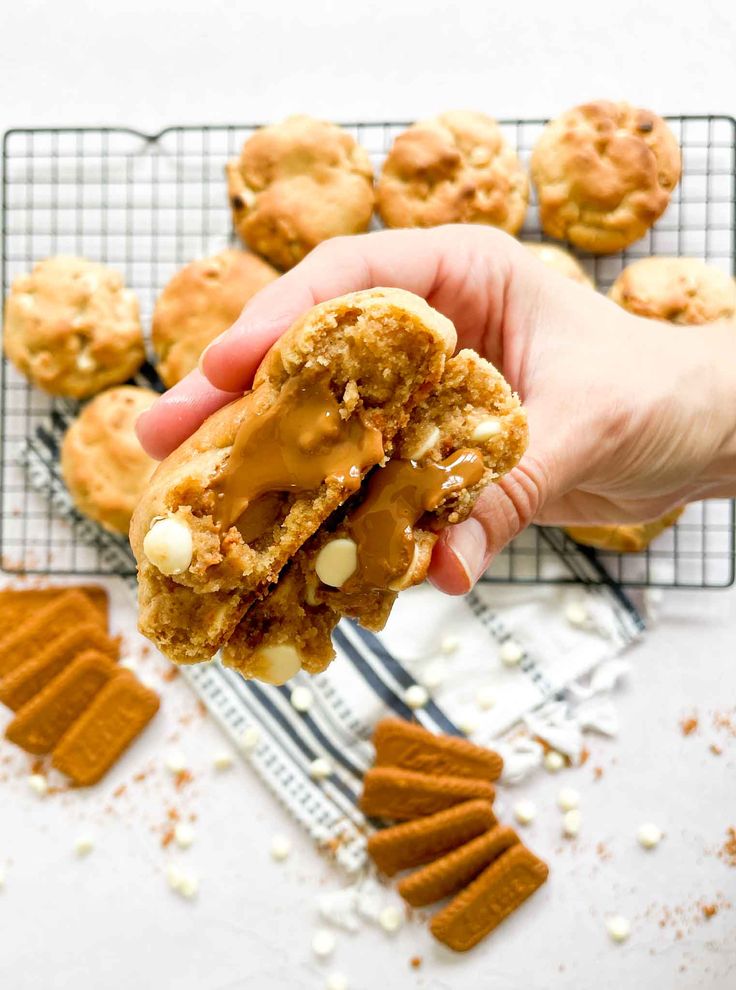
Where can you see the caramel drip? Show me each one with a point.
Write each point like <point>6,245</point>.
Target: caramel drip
<point>295,446</point>
<point>397,496</point>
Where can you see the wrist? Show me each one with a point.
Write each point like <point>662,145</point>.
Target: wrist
<point>721,342</point>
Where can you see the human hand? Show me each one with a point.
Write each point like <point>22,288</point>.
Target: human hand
<point>628,418</point>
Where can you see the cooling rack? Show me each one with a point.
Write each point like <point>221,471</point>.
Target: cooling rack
<point>146,204</point>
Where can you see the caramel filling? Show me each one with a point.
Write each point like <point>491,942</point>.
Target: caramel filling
<point>397,496</point>
<point>295,446</point>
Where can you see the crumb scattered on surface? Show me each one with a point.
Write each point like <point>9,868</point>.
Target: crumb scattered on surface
<point>415,962</point>
<point>727,851</point>
<point>597,773</point>
<point>688,725</point>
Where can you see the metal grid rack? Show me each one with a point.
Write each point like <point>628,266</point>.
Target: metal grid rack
<point>147,204</point>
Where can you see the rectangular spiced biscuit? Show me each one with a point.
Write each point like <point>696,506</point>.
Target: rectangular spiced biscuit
<point>118,714</point>
<point>499,890</point>
<point>42,721</point>
<point>19,604</point>
<point>416,842</point>
<point>390,792</point>
<point>58,616</point>
<point>403,744</point>
<point>23,683</point>
<point>457,868</point>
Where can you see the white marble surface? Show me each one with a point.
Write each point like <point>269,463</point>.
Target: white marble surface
<point>109,922</point>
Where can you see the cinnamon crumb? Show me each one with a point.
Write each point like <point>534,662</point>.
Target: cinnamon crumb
<point>170,674</point>
<point>688,725</point>
<point>415,962</point>
<point>715,749</point>
<point>727,851</point>
<point>119,791</point>
<point>173,815</point>
<point>201,708</point>
<point>182,778</point>
<point>709,910</point>
<point>597,773</point>
<point>167,838</point>
<point>584,755</point>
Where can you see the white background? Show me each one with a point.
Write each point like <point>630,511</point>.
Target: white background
<point>109,921</point>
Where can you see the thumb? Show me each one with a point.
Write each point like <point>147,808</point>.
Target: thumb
<point>503,510</point>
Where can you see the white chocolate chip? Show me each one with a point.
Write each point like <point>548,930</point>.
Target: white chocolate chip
<point>390,919</point>
<point>649,835</point>
<point>510,653</point>
<point>336,562</point>
<point>23,300</point>
<point>323,943</point>
<point>168,545</point>
<point>184,835</point>
<point>416,696</point>
<point>553,761</point>
<point>525,811</point>
<point>619,928</point>
<point>568,799</point>
<point>277,664</point>
<point>175,762</point>
<point>83,845</point>
<point>301,698</point>
<point>89,282</point>
<point>336,981</point>
<point>128,663</point>
<point>250,738</point>
<point>431,439</point>
<point>486,429</point>
<point>571,823</point>
<point>485,697</point>
<point>320,768</point>
<point>280,848</point>
<point>480,156</point>
<point>222,760</point>
<point>434,675</point>
<point>37,783</point>
<point>185,884</point>
<point>576,613</point>
<point>468,725</point>
<point>449,644</point>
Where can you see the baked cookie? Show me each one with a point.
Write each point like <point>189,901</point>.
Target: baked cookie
<point>632,538</point>
<point>604,172</point>
<point>202,299</point>
<point>467,433</point>
<point>229,507</point>
<point>455,168</point>
<point>561,260</point>
<point>677,290</point>
<point>102,463</point>
<point>296,184</point>
<point>72,327</point>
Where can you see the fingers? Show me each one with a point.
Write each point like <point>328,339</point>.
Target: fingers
<point>503,510</point>
<point>462,271</point>
<point>178,413</point>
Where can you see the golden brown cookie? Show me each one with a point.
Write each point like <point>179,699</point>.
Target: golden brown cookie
<point>390,792</point>
<point>72,327</point>
<point>399,743</point>
<point>296,184</point>
<point>471,427</point>
<point>632,538</point>
<point>454,168</point>
<point>604,172</point>
<point>560,260</point>
<point>202,300</point>
<point>102,462</point>
<point>225,511</point>
<point>677,290</point>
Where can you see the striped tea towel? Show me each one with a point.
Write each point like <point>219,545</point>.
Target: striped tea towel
<point>456,646</point>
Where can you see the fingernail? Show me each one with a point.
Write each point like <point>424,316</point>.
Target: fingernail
<point>200,363</point>
<point>468,543</point>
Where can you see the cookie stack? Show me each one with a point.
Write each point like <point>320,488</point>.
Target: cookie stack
<point>59,675</point>
<point>440,789</point>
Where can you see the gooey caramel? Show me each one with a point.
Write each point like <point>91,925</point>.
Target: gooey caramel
<point>397,496</point>
<point>295,446</point>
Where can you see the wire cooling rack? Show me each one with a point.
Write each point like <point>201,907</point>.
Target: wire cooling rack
<point>147,204</point>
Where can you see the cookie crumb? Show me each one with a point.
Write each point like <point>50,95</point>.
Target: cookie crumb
<point>415,962</point>
<point>688,725</point>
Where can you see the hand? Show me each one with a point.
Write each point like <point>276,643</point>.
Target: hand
<point>628,417</point>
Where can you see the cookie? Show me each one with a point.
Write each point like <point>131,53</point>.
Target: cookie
<point>457,868</point>
<point>405,744</point>
<point>604,173</point>
<point>454,168</point>
<point>560,260</point>
<point>226,511</point>
<point>19,604</point>
<point>297,184</point>
<point>414,843</point>
<point>102,462</point>
<point>202,300</point>
<point>676,290</point>
<point>118,713</point>
<point>631,538</point>
<point>471,428</point>
<point>489,899</point>
<point>53,619</point>
<point>390,792</point>
<point>72,327</point>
